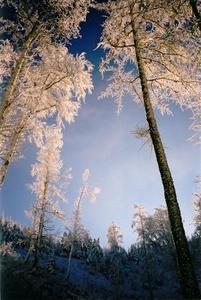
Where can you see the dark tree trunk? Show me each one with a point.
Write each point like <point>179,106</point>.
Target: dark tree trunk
<point>74,237</point>
<point>148,268</point>
<point>196,12</point>
<point>37,246</point>
<point>38,240</point>
<point>187,274</point>
<point>20,127</point>
<point>9,154</point>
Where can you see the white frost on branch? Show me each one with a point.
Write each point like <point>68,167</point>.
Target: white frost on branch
<point>170,53</point>
<point>7,60</point>
<point>53,88</point>
<point>41,80</point>
<point>46,187</point>
<point>114,235</point>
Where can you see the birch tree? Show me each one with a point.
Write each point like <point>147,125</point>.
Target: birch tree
<point>46,172</point>
<point>77,230</point>
<point>53,87</point>
<point>155,67</point>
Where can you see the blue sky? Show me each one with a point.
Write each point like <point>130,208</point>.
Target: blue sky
<point>127,173</point>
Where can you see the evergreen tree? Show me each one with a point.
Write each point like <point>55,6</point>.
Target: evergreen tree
<point>138,223</point>
<point>94,253</point>
<point>115,258</point>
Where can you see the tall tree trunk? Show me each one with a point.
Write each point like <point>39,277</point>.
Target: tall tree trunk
<point>38,239</point>
<point>37,245</point>
<point>75,224</point>
<point>7,98</point>
<point>33,237</point>
<point>14,140</point>
<point>8,157</point>
<point>187,274</point>
<point>148,269</point>
<point>69,261</point>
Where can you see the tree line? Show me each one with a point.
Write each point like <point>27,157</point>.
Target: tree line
<point>149,264</point>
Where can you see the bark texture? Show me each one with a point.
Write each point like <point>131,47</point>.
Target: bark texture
<point>9,155</point>
<point>41,225</point>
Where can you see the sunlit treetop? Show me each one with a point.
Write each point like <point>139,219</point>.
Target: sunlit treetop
<point>58,82</point>
<point>75,226</point>
<point>114,235</point>
<point>27,27</point>
<point>57,20</point>
<point>40,80</point>
<point>52,86</point>
<point>170,53</point>
<point>48,186</point>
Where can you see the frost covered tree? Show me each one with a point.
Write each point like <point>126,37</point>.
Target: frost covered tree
<point>185,23</point>
<point>155,66</point>
<point>154,253</point>
<point>30,26</point>
<point>157,229</point>
<point>53,87</point>
<point>94,253</point>
<point>114,236</point>
<point>188,11</point>
<point>196,237</point>
<point>46,188</point>
<point>77,230</point>
<point>154,229</point>
<point>197,206</point>
<point>138,224</point>
<point>115,258</point>
<point>6,249</point>
<point>11,232</point>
